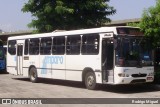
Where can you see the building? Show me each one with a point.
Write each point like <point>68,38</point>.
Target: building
<point>4,36</point>
<point>123,22</point>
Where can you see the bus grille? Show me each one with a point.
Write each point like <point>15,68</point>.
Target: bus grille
<point>138,81</point>
<point>139,75</point>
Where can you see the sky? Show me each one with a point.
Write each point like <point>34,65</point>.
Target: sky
<point>129,9</point>
<point>13,19</point>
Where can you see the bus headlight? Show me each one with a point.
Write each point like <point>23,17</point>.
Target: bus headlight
<point>123,75</point>
<point>127,75</point>
<point>151,74</point>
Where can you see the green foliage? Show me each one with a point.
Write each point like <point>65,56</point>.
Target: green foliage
<point>150,23</point>
<point>50,15</point>
<point>133,24</point>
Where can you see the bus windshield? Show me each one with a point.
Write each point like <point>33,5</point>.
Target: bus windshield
<point>133,51</point>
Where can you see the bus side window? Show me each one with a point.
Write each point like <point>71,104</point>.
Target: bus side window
<point>90,44</point>
<point>26,47</point>
<point>34,46</point>
<point>73,45</point>
<point>12,47</point>
<point>45,48</point>
<point>58,47</point>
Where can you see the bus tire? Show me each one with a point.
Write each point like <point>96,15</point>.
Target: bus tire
<point>90,81</point>
<point>33,75</point>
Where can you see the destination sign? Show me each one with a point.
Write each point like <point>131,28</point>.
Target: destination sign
<point>129,31</point>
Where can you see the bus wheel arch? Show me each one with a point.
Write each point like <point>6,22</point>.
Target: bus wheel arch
<point>89,78</point>
<point>33,75</point>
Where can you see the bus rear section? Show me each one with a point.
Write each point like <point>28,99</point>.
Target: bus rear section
<point>2,57</point>
<point>2,60</point>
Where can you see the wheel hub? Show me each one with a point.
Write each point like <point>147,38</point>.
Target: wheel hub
<point>33,75</point>
<point>90,80</point>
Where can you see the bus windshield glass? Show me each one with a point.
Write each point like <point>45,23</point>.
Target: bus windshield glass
<point>133,51</point>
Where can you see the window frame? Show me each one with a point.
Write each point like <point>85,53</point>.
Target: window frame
<point>59,45</point>
<point>15,47</point>
<point>32,50</point>
<point>88,48</point>
<point>46,51</point>
<point>26,50</point>
<point>73,47</point>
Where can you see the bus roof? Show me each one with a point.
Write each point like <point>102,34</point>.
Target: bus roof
<point>71,32</point>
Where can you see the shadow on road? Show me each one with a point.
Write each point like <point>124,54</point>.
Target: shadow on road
<point>123,89</point>
<point>62,82</point>
<point>131,89</point>
<point>56,82</point>
<point>3,72</point>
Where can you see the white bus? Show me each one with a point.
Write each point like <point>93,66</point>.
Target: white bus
<point>106,55</point>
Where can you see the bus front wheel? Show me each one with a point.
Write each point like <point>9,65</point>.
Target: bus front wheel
<point>90,81</point>
<point>33,75</point>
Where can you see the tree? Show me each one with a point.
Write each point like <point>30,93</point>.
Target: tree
<point>134,24</point>
<point>150,23</point>
<point>68,14</point>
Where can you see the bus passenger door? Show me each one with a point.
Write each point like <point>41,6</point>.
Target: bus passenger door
<point>107,60</point>
<point>19,59</point>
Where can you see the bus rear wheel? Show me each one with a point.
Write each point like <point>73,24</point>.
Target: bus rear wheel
<point>33,75</point>
<point>90,81</point>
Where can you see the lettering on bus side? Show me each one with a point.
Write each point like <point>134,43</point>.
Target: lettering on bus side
<point>51,60</point>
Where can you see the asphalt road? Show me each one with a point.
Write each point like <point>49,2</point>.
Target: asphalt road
<point>19,87</point>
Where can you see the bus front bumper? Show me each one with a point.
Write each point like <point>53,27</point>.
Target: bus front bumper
<point>125,80</point>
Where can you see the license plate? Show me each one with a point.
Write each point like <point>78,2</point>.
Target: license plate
<point>149,78</point>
